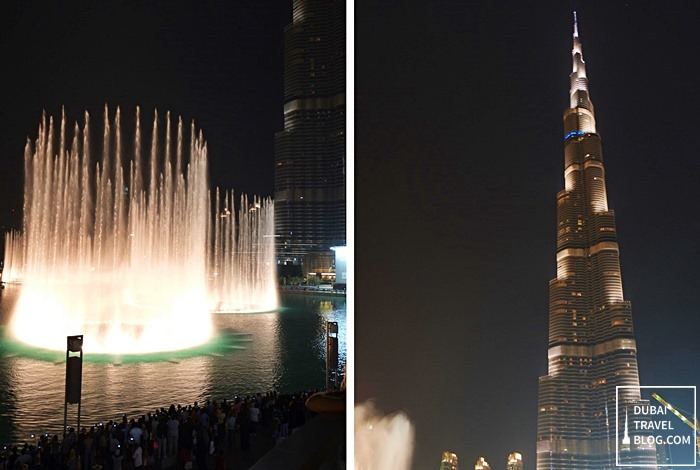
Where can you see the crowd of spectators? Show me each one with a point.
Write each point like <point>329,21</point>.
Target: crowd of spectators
<point>193,436</point>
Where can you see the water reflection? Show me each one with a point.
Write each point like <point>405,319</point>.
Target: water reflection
<point>108,390</point>
<point>252,353</point>
<point>319,310</point>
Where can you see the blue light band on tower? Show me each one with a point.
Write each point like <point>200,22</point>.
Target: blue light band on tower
<point>573,133</point>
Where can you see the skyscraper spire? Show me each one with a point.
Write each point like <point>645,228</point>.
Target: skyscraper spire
<point>579,81</point>
<point>592,363</point>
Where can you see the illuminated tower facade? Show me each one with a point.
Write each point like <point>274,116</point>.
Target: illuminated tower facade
<point>310,150</point>
<point>482,464</point>
<point>591,340</point>
<point>449,461</point>
<point>515,461</point>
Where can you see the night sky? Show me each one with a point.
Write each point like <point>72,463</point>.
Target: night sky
<point>219,64</point>
<point>458,159</point>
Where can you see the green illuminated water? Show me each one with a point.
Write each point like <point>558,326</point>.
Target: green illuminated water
<point>250,353</point>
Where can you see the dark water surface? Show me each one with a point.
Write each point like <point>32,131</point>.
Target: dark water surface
<point>283,350</point>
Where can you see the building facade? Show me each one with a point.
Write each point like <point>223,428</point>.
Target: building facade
<point>482,464</point>
<point>310,150</point>
<point>591,339</point>
<point>449,461</point>
<point>515,461</point>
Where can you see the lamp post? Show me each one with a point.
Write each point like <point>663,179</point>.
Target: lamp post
<point>74,376</point>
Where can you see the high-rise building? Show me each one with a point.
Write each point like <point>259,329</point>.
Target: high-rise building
<point>482,464</point>
<point>591,340</point>
<point>310,150</point>
<point>663,457</point>
<point>449,461</point>
<point>515,461</point>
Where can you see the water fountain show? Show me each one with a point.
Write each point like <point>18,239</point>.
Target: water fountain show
<point>131,250</point>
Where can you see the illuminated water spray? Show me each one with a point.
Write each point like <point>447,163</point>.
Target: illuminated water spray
<point>382,441</point>
<point>243,255</point>
<point>117,251</point>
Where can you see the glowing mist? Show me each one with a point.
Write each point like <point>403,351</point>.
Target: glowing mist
<point>382,441</point>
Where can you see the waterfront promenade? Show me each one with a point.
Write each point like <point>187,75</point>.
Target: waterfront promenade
<point>213,435</point>
<point>311,290</point>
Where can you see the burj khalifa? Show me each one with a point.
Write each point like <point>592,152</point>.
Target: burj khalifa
<point>592,349</point>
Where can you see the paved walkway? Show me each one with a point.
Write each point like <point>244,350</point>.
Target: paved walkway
<point>235,457</point>
<point>319,444</point>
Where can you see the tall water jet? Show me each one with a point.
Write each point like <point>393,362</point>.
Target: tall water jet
<point>13,261</point>
<point>243,257</point>
<point>118,256</point>
<point>382,441</point>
